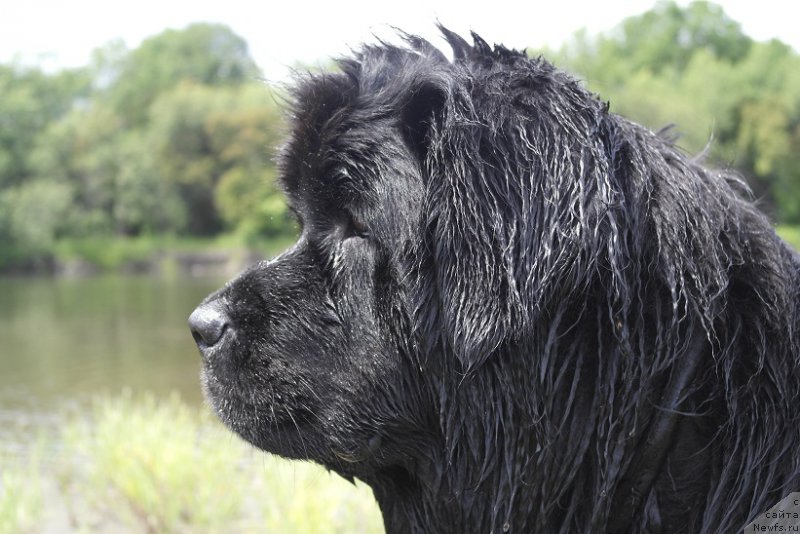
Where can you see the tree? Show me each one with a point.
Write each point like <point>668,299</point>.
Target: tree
<point>79,151</point>
<point>205,137</point>
<point>204,54</point>
<point>111,174</point>
<point>694,67</point>
<point>31,100</point>
<point>31,214</point>
<point>667,36</point>
<point>247,195</point>
<point>175,136</point>
<point>145,202</point>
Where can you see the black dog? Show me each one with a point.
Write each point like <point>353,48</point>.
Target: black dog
<point>511,310</point>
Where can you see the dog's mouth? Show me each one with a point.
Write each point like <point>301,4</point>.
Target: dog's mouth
<point>263,409</point>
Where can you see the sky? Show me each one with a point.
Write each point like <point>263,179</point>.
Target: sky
<point>56,34</point>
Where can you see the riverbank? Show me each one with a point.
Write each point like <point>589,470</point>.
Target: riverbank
<point>221,256</point>
<point>138,463</point>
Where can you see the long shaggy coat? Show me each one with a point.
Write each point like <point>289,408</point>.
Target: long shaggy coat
<point>511,310</point>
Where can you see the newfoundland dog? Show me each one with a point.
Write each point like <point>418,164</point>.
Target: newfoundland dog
<point>510,310</point>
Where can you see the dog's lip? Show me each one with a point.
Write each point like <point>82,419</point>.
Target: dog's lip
<point>236,410</point>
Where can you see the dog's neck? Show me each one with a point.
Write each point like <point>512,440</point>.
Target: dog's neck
<point>430,501</point>
<point>424,503</point>
<point>468,495</point>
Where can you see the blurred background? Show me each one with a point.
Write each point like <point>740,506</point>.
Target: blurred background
<point>137,174</point>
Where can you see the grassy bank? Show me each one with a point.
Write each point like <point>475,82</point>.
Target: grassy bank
<point>138,464</point>
<point>114,254</point>
<point>155,253</point>
<point>21,506</point>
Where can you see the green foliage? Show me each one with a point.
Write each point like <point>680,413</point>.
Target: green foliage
<point>30,101</point>
<point>790,234</point>
<point>667,36</point>
<point>117,188</point>
<point>107,253</point>
<point>176,137</point>
<point>250,202</point>
<point>144,202</point>
<point>214,145</point>
<point>205,54</point>
<point>158,465</point>
<point>31,213</point>
<point>147,252</point>
<point>78,150</point>
<point>305,498</point>
<point>693,67</point>
<point>152,458</point>
<point>20,493</point>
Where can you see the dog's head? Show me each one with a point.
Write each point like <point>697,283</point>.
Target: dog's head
<point>435,211</point>
<point>311,355</point>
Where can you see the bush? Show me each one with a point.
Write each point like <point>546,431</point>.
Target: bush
<point>157,463</point>
<point>161,466</point>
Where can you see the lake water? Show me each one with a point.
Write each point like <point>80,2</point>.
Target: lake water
<point>63,340</point>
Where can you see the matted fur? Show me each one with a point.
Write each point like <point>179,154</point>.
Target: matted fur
<point>496,284</point>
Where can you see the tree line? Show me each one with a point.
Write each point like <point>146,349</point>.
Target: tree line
<point>733,99</point>
<point>177,136</point>
<point>174,137</point>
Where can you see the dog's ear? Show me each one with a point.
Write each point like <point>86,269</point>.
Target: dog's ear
<point>421,115</point>
<point>467,293</point>
<point>471,243</point>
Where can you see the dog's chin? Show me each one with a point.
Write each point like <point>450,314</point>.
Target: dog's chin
<point>268,425</point>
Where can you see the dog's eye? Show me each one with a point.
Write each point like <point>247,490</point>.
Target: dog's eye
<point>356,227</point>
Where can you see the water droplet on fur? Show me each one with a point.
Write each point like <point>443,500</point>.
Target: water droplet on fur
<point>506,527</point>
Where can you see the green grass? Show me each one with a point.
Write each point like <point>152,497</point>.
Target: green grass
<point>20,493</point>
<point>115,253</point>
<point>106,253</point>
<point>152,465</point>
<point>142,464</point>
<point>111,253</point>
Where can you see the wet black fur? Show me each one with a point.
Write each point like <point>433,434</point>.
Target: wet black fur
<point>496,282</point>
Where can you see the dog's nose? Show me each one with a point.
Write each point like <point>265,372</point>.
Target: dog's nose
<point>208,323</point>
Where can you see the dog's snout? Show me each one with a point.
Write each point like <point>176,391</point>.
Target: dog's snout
<point>208,323</point>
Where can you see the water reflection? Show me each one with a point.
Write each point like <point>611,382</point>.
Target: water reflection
<point>65,339</point>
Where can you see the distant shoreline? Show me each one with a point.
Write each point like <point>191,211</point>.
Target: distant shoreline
<point>195,264</point>
<point>221,257</point>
